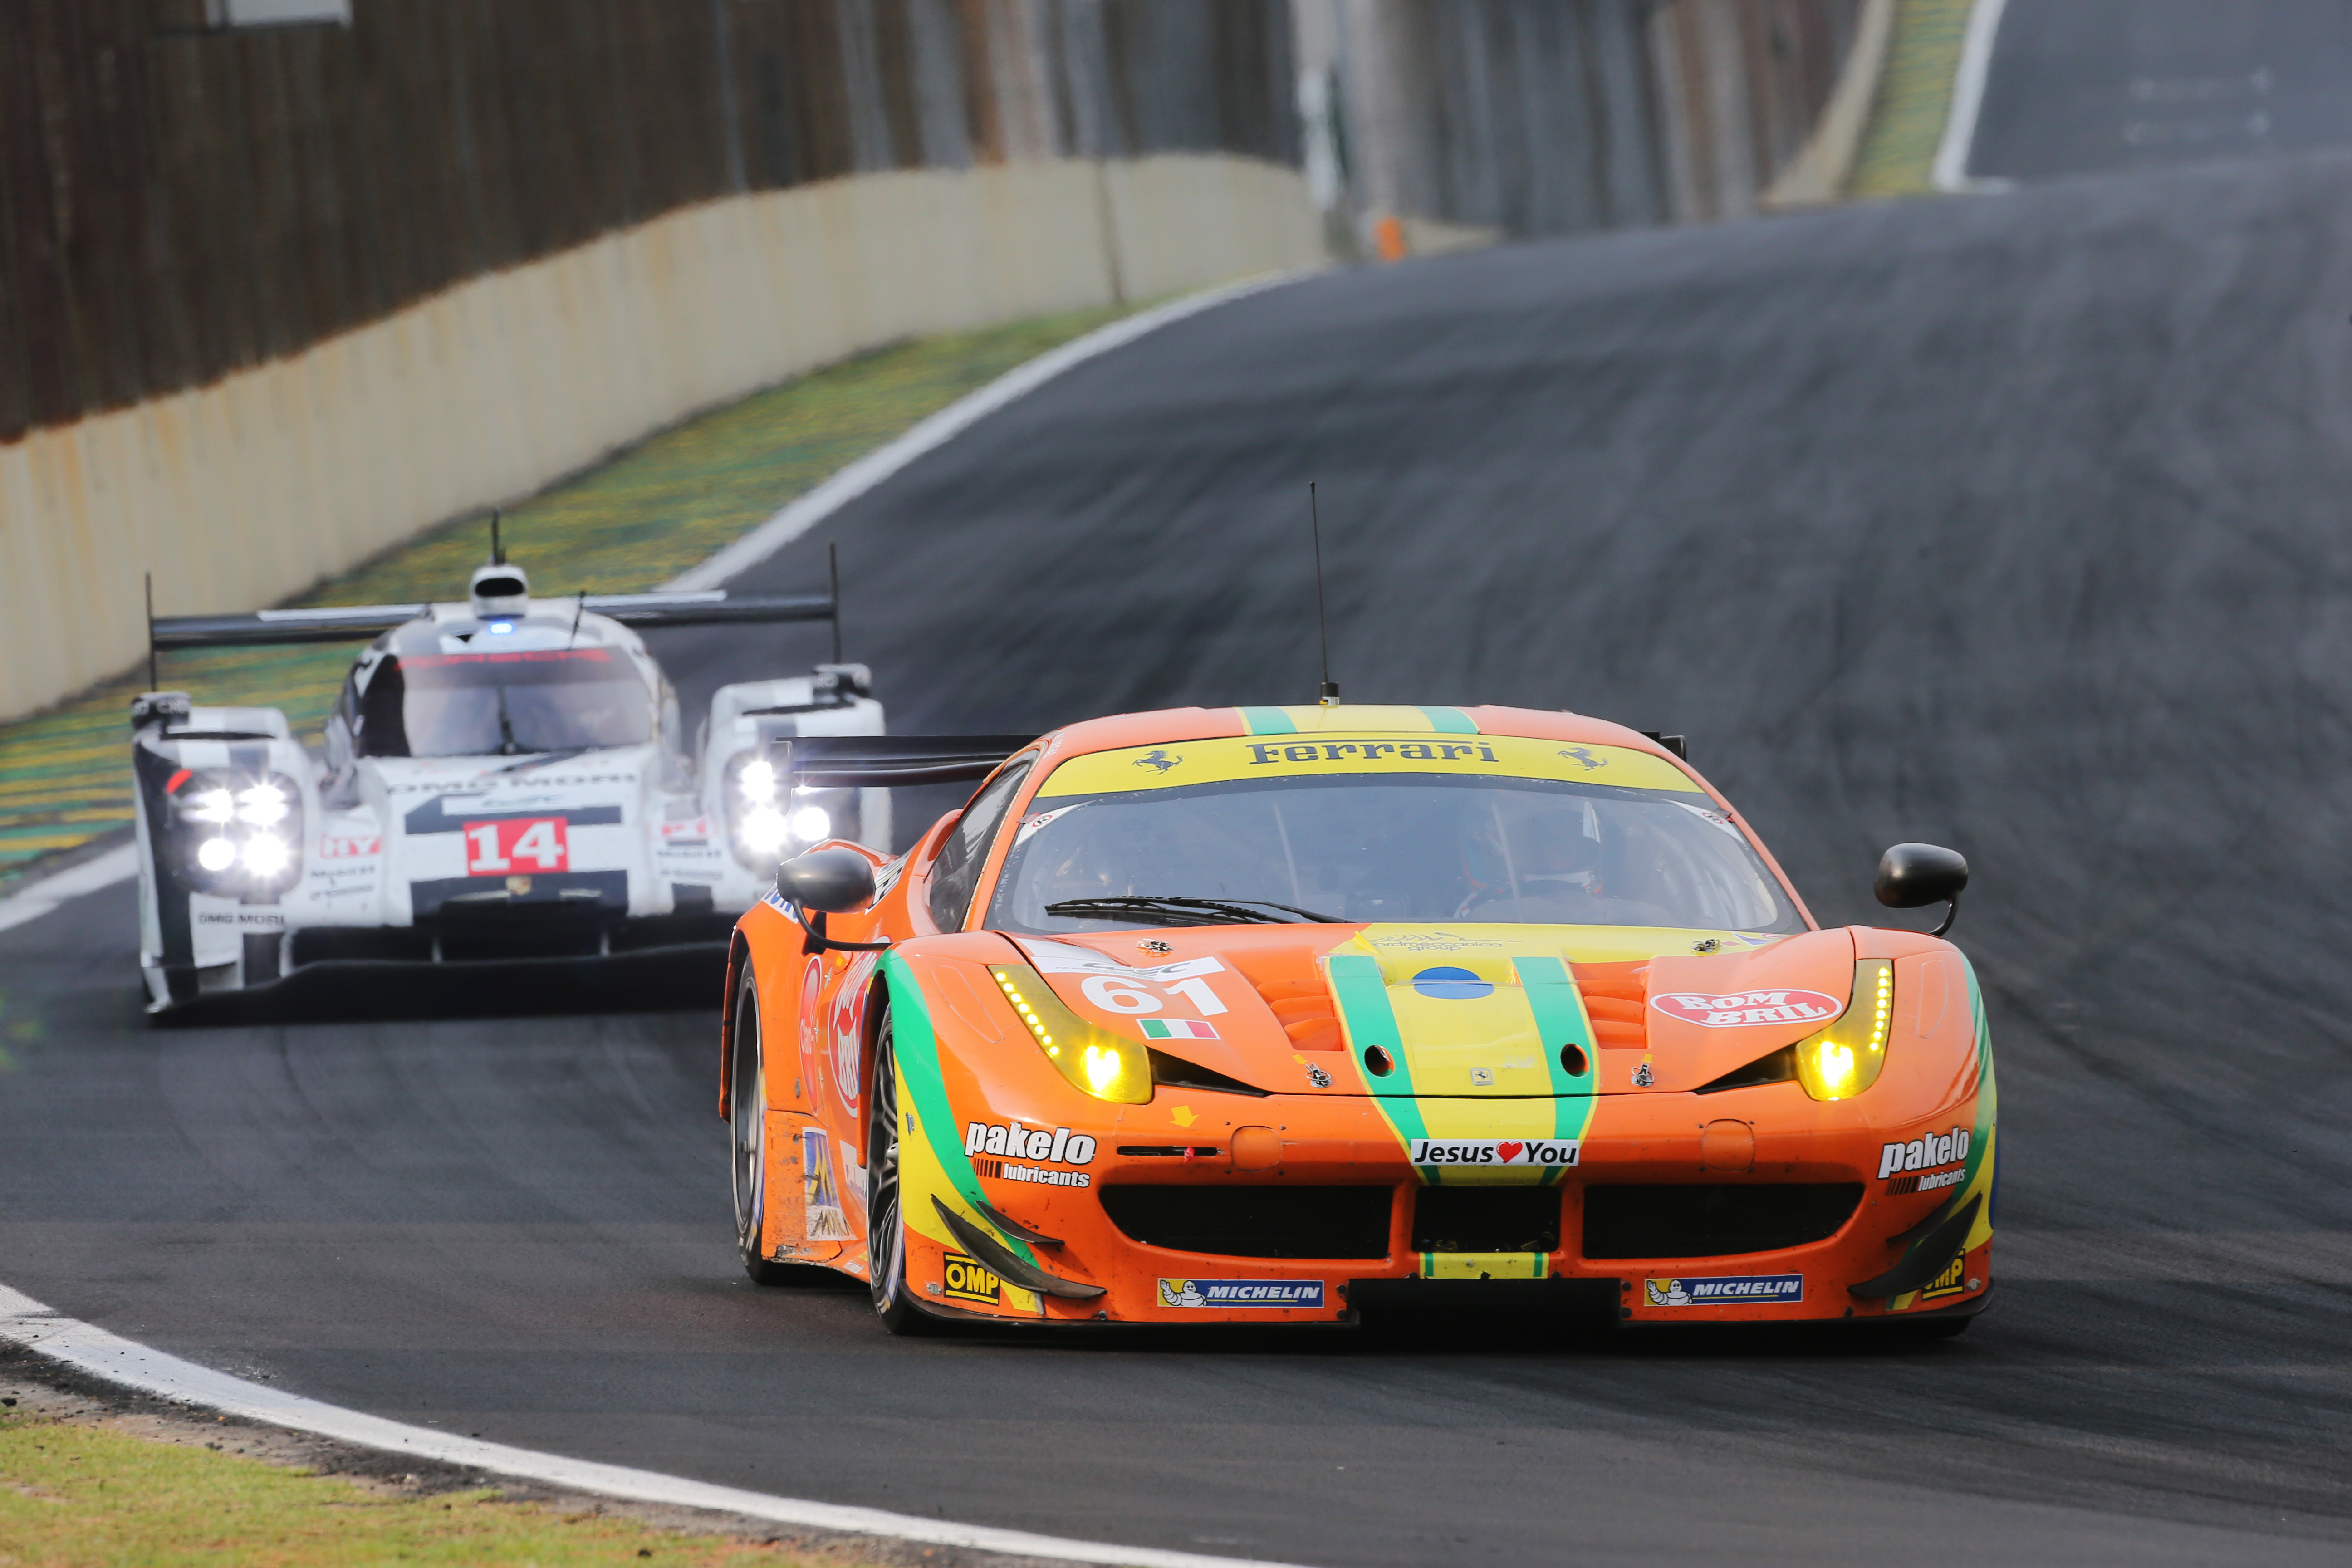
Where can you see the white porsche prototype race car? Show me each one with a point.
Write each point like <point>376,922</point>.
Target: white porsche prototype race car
<point>503,778</point>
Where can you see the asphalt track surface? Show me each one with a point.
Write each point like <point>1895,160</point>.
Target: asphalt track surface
<point>2016,523</point>
<point>2084,85</point>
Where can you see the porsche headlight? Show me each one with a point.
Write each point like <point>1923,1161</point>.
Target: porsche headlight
<point>1841,1060</point>
<point>767,819</point>
<point>233,835</point>
<point>764,831</point>
<point>1095,1060</point>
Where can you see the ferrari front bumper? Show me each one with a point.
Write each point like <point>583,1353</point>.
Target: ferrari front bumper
<point>1715,1209</point>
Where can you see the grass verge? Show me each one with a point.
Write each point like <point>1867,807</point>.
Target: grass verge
<point>78,1494</point>
<point>1897,156</point>
<point>628,525</point>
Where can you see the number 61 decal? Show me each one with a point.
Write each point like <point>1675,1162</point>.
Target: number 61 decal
<point>1116,995</point>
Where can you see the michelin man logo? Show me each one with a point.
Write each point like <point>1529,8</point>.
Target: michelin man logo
<point>1668,1293</point>
<point>1181,1293</point>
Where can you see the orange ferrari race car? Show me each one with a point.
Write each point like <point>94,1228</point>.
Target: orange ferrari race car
<point>1238,1015</point>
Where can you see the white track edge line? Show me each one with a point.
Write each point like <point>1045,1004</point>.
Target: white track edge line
<point>799,516</point>
<point>93,1350</point>
<point>43,894</point>
<point>1951,167</point>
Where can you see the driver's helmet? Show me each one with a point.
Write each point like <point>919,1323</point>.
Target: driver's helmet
<point>1534,838</point>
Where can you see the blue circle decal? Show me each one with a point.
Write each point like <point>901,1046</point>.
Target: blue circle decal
<point>1450,985</point>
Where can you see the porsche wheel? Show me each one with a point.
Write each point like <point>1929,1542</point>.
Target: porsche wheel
<point>886,1229</point>
<point>747,1127</point>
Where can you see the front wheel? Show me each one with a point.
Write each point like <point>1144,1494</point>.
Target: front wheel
<point>886,1227</point>
<point>747,1130</point>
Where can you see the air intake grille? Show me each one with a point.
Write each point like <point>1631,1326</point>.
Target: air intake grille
<point>1485,1219</point>
<point>1713,1220</point>
<point>1254,1221</point>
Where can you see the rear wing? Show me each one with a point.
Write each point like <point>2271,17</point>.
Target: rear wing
<point>878,762</point>
<point>357,623</point>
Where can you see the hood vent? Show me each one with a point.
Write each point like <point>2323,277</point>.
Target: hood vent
<point>1303,1008</point>
<point>1617,998</point>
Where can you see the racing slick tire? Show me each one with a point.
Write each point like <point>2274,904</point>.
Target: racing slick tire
<point>886,1229</point>
<point>747,1132</point>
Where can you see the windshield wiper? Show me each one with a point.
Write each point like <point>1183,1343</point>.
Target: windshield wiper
<point>1169,911</point>
<point>506,747</point>
<point>557,755</point>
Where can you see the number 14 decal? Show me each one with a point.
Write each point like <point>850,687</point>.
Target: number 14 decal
<point>492,848</point>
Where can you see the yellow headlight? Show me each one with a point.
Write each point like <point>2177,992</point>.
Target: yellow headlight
<point>1840,1061</point>
<point>1094,1059</point>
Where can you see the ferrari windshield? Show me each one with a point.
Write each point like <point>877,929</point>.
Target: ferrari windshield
<point>503,704</point>
<point>1394,847</point>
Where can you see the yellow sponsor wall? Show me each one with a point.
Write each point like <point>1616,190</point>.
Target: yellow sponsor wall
<point>238,494</point>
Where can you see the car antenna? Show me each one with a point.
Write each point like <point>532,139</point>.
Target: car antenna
<point>1329,696</point>
<point>497,551</point>
<point>150,631</point>
<point>833,575</point>
<point>579,605</point>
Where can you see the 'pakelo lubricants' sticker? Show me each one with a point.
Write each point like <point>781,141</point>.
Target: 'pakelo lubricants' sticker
<point>1925,1154</point>
<point>1738,1009</point>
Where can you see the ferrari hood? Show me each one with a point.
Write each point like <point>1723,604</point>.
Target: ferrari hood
<point>1467,1012</point>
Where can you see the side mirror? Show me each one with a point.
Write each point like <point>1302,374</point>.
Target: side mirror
<point>835,881</point>
<point>1912,875</point>
<point>823,881</point>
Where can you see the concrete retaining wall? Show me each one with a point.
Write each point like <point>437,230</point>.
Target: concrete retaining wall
<point>238,494</point>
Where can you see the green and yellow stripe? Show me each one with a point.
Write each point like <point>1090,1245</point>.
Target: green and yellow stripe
<point>1313,719</point>
<point>1983,1164</point>
<point>931,1161</point>
<point>1516,1034</point>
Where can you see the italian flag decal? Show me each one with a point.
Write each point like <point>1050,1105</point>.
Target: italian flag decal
<point>1176,1029</point>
